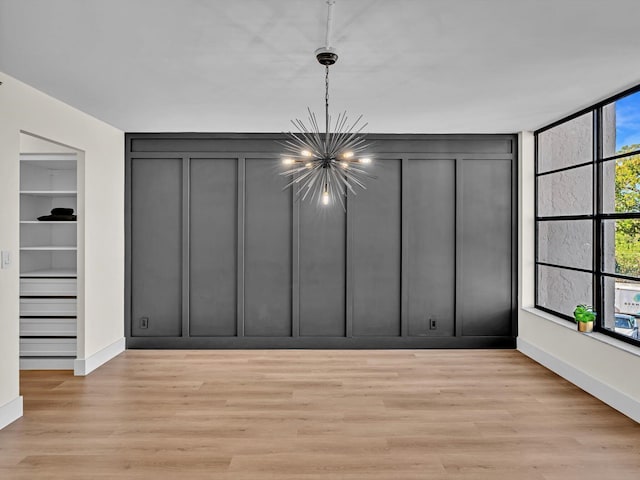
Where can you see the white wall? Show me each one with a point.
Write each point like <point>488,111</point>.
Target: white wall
<point>599,364</point>
<point>23,108</point>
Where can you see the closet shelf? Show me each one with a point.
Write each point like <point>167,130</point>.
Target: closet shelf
<point>50,193</point>
<point>49,248</point>
<point>58,161</point>
<point>45,222</point>
<point>53,272</point>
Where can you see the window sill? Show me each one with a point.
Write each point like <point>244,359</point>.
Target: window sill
<point>599,337</point>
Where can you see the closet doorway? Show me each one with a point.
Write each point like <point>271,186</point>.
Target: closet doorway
<point>51,253</point>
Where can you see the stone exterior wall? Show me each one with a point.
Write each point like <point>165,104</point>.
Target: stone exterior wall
<point>567,144</point>
<point>571,193</point>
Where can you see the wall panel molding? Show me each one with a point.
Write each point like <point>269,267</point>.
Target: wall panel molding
<point>388,273</point>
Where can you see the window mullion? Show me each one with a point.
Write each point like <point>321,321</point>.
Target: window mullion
<point>597,223</point>
<point>535,223</point>
<point>620,156</point>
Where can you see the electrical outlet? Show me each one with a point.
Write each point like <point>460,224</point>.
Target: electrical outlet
<point>433,325</point>
<point>144,322</point>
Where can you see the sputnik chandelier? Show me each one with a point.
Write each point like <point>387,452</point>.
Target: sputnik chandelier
<point>326,165</point>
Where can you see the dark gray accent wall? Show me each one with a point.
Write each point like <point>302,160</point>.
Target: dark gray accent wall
<point>431,246</point>
<point>322,270</point>
<point>267,262</point>
<point>485,236</point>
<point>213,246</point>
<point>156,246</point>
<point>375,221</point>
<point>220,256</point>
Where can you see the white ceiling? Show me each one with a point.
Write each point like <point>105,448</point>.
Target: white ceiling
<point>410,66</point>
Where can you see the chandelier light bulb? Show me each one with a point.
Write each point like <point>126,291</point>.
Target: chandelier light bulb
<point>305,153</point>
<point>309,165</point>
<point>325,197</point>
<point>348,154</point>
<point>288,161</point>
<point>344,164</point>
<point>365,160</point>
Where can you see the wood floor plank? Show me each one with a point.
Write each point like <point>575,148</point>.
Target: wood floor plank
<point>316,414</point>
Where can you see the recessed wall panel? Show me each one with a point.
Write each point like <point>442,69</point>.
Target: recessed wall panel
<point>268,269</point>
<point>431,217</point>
<point>213,245</point>
<point>156,246</point>
<point>484,295</point>
<point>322,270</point>
<point>375,223</point>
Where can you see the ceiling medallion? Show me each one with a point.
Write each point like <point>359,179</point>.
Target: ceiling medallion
<point>325,166</point>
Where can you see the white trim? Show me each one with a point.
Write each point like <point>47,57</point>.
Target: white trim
<point>48,157</point>
<point>609,395</point>
<point>84,366</point>
<point>10,412</point>
<point>552,318</point>
<point>600,337</point>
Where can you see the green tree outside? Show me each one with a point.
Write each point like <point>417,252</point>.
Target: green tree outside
<point>627,197</point>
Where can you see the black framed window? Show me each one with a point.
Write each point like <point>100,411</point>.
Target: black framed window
<point>588,215</point>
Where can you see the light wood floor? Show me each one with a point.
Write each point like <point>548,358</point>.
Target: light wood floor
<point>303,415</point>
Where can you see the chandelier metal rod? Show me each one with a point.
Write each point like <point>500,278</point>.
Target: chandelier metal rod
<point>327,38</point>
<point>326,107</point>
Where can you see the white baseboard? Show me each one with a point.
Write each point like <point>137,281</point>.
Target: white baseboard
<point>609,395</point>
<point>84,366</point>
<point>10,412</point>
